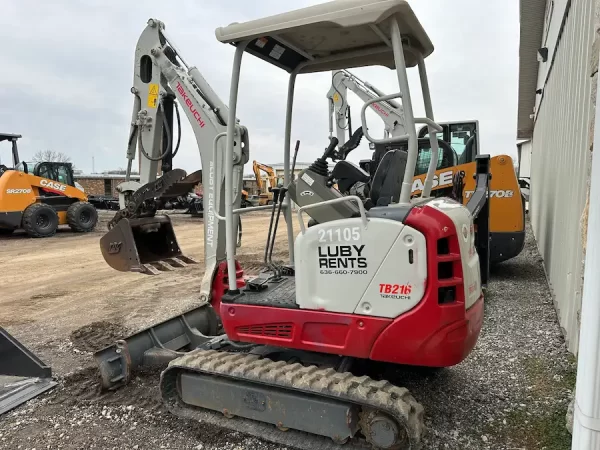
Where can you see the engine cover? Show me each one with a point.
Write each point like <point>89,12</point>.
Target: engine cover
<point>378,270</point>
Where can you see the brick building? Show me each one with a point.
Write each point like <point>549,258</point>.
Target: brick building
<point>102,184</point>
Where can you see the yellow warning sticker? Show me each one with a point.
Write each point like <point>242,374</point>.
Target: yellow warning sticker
<point>336,97</point>
<point>152,95</point>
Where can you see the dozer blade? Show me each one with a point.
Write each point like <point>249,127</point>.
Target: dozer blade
<point>145,245</point>
<point>155,345</point>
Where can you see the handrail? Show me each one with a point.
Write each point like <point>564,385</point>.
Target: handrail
<point>363,119</point>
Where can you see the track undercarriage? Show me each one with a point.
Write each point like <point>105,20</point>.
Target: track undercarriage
<point>292,397</point>
<point>324,402</point>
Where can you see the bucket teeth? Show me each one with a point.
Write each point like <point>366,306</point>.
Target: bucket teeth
<point>187,259</point>
<point>167,265</point>
<point>177,262</point>
<point>163,265</point>
<point>149,269</point>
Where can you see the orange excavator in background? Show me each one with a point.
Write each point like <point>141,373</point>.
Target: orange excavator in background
<point>265,197</point>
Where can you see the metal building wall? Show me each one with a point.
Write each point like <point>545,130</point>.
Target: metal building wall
<point>560,164</point>
<point>525,160</point>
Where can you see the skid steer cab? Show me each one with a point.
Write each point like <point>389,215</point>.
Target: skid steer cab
<point>39,196</point>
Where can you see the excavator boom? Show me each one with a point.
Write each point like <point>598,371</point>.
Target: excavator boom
<point>162,81</point>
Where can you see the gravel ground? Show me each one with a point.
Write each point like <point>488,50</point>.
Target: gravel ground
<point>511,393</point>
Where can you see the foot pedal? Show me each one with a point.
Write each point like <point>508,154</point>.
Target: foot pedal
<point>258,284</point>
<point>231,297</point>
<point>288,271</point>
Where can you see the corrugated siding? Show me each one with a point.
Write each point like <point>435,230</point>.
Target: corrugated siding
<point>560,163</point>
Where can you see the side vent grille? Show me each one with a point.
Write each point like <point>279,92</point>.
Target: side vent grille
<point>448,282</point>
<point>276,330</point>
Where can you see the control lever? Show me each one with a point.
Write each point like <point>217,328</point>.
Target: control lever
<point>278,198</point>
<point>320,166</point>
<point>330,150</point>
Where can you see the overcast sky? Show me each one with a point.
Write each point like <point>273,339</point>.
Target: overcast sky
<point>67,68</point>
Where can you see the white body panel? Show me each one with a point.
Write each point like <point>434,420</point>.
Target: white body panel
<point>466,237</point>
<point>341,266</point>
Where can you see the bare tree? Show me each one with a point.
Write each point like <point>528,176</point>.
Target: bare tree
<point>51,156</point>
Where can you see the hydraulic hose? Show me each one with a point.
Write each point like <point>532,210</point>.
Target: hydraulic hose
<point>169,139</point>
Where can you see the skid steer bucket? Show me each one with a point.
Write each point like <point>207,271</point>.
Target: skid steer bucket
<point>23,375</point>
<point>145,245</point>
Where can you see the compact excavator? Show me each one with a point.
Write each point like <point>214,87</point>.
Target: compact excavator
<point>266,194</point>
<point>458,145</point>
<point>299,354</point>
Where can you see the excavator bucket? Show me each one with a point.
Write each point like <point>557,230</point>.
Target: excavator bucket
<point>145,245</point>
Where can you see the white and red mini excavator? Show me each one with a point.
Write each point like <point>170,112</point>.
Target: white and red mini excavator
<point>298,354</point>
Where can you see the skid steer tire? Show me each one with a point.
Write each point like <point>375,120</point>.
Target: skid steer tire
<point>40,220</point>
<point>6,231</point>
<point>82,217</point>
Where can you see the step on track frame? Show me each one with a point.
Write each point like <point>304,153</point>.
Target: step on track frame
<point>337,405</point>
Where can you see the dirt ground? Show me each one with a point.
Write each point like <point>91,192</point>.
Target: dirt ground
<point>60,288</point>
<point>60,299</point>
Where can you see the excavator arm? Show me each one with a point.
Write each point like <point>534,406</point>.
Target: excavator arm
<point>390,112</point>
<point>162,80</point>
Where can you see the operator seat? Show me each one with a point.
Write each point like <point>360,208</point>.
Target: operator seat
<point>387,181</point>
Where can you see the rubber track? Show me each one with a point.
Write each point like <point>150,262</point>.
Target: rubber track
<point>380,395</point>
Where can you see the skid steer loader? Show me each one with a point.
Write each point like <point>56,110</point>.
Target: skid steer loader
<point>38,197</point>
<point>297,354</point>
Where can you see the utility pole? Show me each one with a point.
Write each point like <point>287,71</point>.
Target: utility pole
<point>586,420</point>
<point>93,165</point>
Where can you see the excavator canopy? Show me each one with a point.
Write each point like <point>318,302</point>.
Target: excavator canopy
<point>345,29</point>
